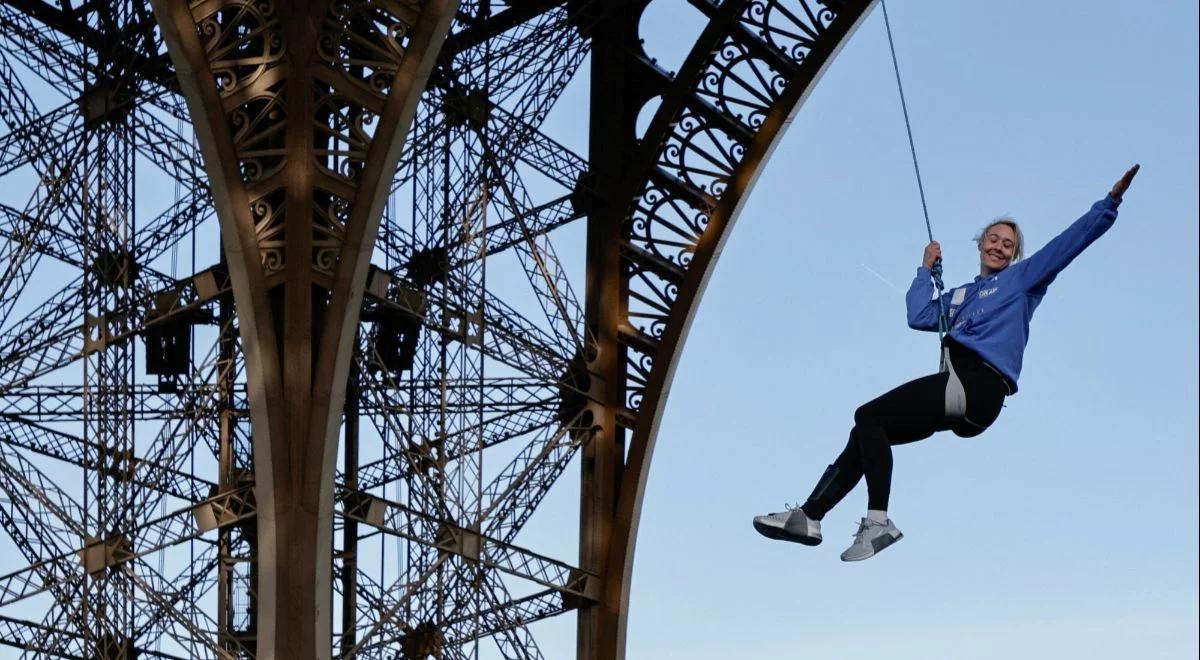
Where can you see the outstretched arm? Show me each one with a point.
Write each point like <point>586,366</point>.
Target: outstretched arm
<point>1039,270</point>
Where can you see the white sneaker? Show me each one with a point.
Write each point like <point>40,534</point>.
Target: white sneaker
<point>791,525</point>
<point>870,539</point>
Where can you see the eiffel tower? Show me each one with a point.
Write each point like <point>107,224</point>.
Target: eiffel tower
<point>308,310</point>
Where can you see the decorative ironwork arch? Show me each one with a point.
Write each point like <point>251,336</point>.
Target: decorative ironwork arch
<point>713,132</point>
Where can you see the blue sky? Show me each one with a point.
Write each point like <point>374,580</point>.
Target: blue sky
<point>1069,528</point>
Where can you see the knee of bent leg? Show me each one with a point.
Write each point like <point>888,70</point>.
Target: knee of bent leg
<point>967,430</point>
<point>864,415</point>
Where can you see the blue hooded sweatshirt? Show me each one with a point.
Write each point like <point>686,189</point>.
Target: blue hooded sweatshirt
<point>991,315</point>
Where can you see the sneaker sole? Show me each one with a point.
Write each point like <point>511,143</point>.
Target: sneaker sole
<point>778,534</point>
<point>874,551</point>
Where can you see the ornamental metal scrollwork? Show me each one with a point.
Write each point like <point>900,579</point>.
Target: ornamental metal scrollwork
<point>701,154</point>
<point>347,129</point>
<point>794,29</point>
<point>242,40</point>
<point>365,41</point>
<point>741,85</point>
<point>650,299</point>
<point>637,369</point>
<point>358,54</point>
<point>725,104</point>
<point>257,127</point>
<point>245,49</point>
<point>267,215</point>
<point>329,229</point>
<point>666,224</point>
<point>362,45</point>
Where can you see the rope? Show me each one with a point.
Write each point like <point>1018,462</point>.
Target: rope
<point>943,322</point>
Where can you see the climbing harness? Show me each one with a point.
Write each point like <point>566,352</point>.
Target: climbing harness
<point>943,321</point>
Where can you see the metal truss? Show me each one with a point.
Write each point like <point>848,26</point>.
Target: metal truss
<point>306,309</point>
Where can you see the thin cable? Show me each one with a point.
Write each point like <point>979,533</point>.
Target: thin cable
<point>943,322</point>
<point>907,124</point>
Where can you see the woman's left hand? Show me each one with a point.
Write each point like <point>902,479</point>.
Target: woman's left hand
<point>1122,184</point>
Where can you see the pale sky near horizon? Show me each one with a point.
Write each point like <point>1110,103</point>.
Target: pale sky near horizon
<point>1069,529</point>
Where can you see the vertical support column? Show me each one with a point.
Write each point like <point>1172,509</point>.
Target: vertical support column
<point>611,142</point>
<point>279,93</point>
<point>225,474</point>
<point>108,280</point>
<point>350,525</point>
<point>303,540</point>
<point>237,564</point>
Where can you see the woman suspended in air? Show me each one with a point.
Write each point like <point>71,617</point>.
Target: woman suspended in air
<point>981,362</point>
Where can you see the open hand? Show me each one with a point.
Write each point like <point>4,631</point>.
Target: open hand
<point>1122,184</point>
<point>933,252</point>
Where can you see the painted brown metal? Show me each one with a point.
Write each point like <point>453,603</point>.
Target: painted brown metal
<point>615,101</point>
<point>259,77</point>
<point>280,100</point>
<point>722,198</point>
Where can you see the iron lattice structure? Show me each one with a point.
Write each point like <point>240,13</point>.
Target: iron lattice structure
<point>305,313</point>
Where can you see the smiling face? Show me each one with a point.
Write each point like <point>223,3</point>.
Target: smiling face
<point>997,247</point>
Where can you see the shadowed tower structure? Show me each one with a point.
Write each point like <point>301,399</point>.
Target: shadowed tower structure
<point>309,312</point>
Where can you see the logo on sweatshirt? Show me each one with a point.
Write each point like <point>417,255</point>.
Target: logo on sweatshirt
<point>987,292</point>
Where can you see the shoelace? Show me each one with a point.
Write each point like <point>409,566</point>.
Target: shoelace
<point>787,508</point>
<point>791,507</point>
<point>863,525</point>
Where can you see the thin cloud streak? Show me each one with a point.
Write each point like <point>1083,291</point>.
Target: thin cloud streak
<point>881,277</point>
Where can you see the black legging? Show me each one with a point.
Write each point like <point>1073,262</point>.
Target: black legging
<point>911,412</point>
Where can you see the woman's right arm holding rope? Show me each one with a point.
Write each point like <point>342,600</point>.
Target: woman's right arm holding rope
<point>922,306</point>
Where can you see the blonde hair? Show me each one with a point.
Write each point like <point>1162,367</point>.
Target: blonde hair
<point>1019,251</point>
